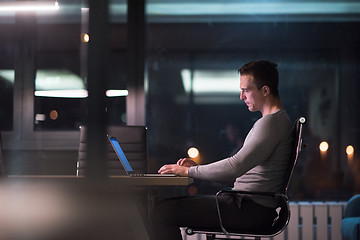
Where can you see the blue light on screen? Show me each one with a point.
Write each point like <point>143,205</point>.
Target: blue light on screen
<point>121,154</point>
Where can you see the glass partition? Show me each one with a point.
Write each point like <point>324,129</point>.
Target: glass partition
<point>61,79</point>
<point>193,92</point>
<point>7,72</point>
<point>193,51</point>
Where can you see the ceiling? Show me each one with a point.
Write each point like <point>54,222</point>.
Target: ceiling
<point>186,11</point>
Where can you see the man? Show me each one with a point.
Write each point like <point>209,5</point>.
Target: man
<point>260,165</point>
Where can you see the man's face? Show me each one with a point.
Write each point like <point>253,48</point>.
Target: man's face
<point>250,94</point>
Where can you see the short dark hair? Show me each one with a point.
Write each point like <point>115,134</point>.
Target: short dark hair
<point>264,72</point>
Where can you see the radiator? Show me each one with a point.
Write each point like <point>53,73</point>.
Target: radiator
<point>308,221</point>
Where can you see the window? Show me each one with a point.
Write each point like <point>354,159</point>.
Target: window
<point>318,76</point>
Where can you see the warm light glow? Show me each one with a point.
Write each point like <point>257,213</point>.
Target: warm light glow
<point>350,156</point>
<point>54,114</point>
<point>85,38</point>
<point>25,6</point>
<point>349,150</point>
<point>193,152</point>
<point>324,146</point>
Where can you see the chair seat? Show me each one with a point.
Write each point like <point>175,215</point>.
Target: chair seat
<point>280,223</point>
<point>272,231</point>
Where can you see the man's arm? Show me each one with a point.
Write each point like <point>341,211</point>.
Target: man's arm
<point>260,143</point>
<point>181,168</point>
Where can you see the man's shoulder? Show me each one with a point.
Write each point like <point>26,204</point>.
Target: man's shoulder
<point>280,119</point>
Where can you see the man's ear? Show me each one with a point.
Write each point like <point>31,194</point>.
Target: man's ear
<point>266,90</point>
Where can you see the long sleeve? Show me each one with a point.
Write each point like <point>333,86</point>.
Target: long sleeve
<point>261,163</point>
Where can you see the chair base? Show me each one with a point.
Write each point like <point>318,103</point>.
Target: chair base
<point>213,237</point>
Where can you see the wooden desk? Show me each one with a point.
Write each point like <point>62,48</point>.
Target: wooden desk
<point>154,181</point>
<point>126,180</point>
<point>82,207</point>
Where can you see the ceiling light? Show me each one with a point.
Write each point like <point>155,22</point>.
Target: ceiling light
<point>25,6</point>
<point>59,83</point>
<point>210,81</point>
<point>116,93</point>
<point>76,93</point>
<point>263,7</point>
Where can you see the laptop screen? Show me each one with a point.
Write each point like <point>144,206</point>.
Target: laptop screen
<point>120,153</point>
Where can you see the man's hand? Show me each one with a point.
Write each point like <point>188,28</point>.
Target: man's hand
<point>181,168</point>
<point>181,171</point>
<point>186,162</point>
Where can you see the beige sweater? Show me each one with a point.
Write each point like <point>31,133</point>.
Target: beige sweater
<point>260,165</point>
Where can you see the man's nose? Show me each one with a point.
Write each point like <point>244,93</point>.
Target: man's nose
<point>241,96</point>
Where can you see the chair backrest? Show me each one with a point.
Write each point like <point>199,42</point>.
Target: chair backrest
<point>297,147</point>
<point>133,142</point>
<point>352,208</point>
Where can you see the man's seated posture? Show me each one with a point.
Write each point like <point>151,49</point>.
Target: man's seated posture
<point>260,165</point>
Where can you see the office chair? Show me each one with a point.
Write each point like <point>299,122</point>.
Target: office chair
<point>284,214</point>
<point>133,142</point>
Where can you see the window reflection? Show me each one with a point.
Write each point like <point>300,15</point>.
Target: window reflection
<point>194,51</point>
<point>317,76</point>
<point>60,96</point>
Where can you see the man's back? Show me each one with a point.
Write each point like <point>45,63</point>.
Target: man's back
<point>270,155</point>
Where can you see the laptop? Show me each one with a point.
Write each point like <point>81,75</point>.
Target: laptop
<point>126,164</point>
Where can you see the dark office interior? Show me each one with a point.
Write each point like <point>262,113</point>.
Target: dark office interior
<point>179,61</point>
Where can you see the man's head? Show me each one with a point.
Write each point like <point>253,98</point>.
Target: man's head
<point>264,74</point>
<point>259,85</point>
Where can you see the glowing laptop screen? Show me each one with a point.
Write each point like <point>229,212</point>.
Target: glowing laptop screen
<point>120,153</point>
